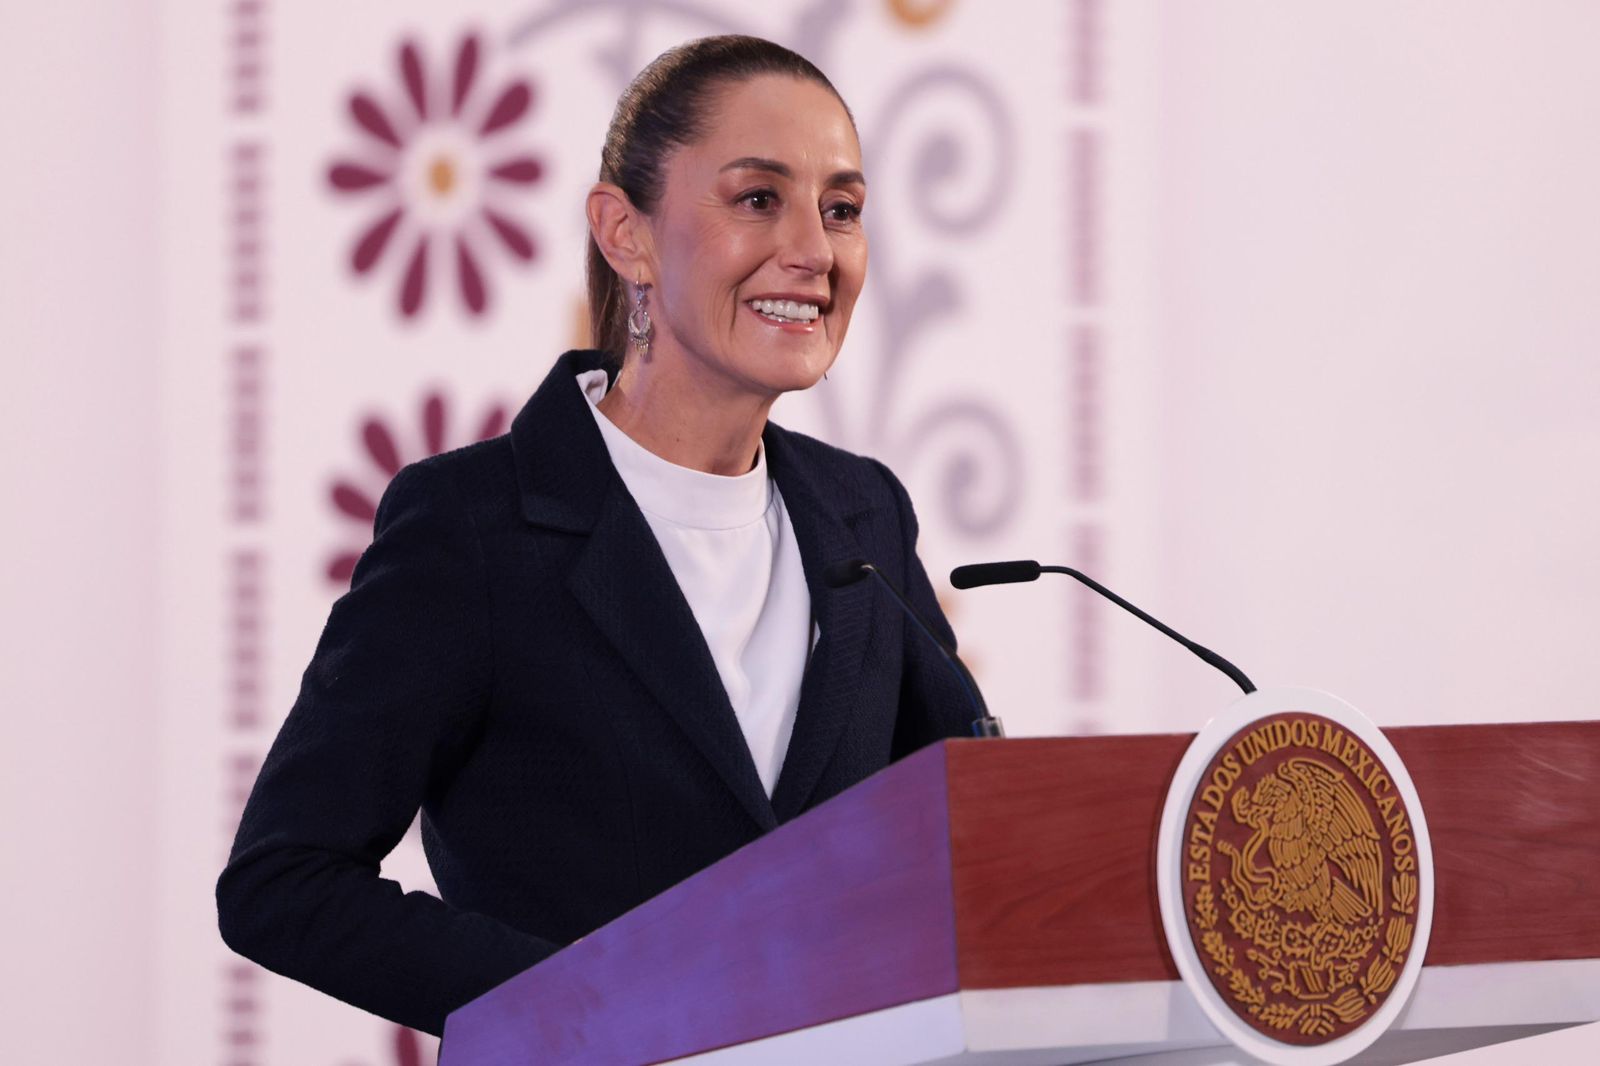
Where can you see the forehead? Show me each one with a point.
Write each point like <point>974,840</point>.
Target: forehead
<point>791,120</point>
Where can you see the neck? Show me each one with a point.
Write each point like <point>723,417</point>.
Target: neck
<point>692,419</point>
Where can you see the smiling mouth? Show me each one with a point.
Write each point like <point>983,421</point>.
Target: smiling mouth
<point>785,312</point>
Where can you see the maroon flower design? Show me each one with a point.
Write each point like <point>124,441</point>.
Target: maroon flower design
<point>438,173</point>
<point>354,501</point>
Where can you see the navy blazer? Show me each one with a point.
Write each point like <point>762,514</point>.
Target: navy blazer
<point>515,658</point>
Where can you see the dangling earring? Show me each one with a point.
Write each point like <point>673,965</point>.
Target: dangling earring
<point>639,321</point>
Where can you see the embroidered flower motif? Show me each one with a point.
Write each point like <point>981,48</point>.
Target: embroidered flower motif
<point>356,502</point>
<point>437,169</point>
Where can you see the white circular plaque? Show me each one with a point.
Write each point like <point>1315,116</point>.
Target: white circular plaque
<point>1295,877</point>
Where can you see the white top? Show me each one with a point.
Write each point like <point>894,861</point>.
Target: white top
<point>731,548</point>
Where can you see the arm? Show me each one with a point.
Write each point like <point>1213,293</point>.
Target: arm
<point>387,708</point>
<point>933,705</point>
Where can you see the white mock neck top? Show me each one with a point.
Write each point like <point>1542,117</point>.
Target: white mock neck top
<point>731,547</point>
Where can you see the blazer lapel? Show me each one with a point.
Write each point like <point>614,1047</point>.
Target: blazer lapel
<point>625,584</point>
<point>823,529</point>
<point>622,579</point>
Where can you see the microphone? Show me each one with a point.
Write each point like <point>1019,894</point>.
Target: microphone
<point>848,571</point>
<point>976,574</point>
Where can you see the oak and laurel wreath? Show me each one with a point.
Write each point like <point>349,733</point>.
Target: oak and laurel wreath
<point>1397,938</point>
<point>1311,1019</point>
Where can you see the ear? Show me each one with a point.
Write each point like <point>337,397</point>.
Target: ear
<point>622,232</point>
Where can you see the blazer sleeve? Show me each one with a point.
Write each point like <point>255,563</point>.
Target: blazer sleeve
<point>933,705</point>
<point>392,697</point>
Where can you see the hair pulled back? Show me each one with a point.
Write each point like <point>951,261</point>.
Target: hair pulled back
<point>666,107</point>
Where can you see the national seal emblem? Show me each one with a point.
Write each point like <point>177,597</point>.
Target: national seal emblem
<point>1294,877</point>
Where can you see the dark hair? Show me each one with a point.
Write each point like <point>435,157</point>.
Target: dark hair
<point>665,108</point>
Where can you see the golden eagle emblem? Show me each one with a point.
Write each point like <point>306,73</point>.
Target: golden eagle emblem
<point>1323,846</point>
<point>1299,882</point>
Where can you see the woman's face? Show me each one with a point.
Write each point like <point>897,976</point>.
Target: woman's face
<point>766,207</point>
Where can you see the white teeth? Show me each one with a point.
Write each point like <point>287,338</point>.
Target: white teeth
<point>789,310</point>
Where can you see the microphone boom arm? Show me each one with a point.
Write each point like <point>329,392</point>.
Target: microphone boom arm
<point>1203,652</point>
<point>1017,570</point>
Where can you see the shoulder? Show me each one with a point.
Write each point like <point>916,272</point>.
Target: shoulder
<point>477,481</point>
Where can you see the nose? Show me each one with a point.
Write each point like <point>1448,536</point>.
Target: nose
<point>806,247</point>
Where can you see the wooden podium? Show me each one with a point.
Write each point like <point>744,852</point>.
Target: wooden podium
<point>994,901</point>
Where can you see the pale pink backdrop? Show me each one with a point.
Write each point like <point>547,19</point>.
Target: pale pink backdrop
<point>1280,320</point>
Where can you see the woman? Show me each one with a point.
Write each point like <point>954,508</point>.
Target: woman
<point>597,652</point>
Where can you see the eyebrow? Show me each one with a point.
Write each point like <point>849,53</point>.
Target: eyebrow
<point>772,166</point>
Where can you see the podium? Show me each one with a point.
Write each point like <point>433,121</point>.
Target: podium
<point>994,901</point>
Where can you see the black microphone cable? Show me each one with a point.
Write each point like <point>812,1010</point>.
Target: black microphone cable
<point>849,571</point>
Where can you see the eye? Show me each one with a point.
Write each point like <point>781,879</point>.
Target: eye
<point>842,211</point>
<point>761,200</point>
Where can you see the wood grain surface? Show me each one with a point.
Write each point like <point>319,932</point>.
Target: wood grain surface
<point>1052,842</point>
<point>1053,845</point>
<point>1514,812</point>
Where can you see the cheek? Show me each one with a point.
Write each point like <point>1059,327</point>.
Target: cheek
<point>688,283</point>
<point>851,258</point>
<point>713,272</point>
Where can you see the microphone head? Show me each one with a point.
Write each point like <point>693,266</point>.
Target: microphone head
<point>975,574</point>
<point>844,572</point>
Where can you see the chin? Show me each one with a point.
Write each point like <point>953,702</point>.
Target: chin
<point>775,369</point>
<point>796,377</point>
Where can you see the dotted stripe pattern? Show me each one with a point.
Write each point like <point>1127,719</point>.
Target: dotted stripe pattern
<point>1084,68</point>
<point>246,55</point>
<point>1086,350</point>
<point>246,431</point>
<point>246,195</point>
<point>242,1036</point>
